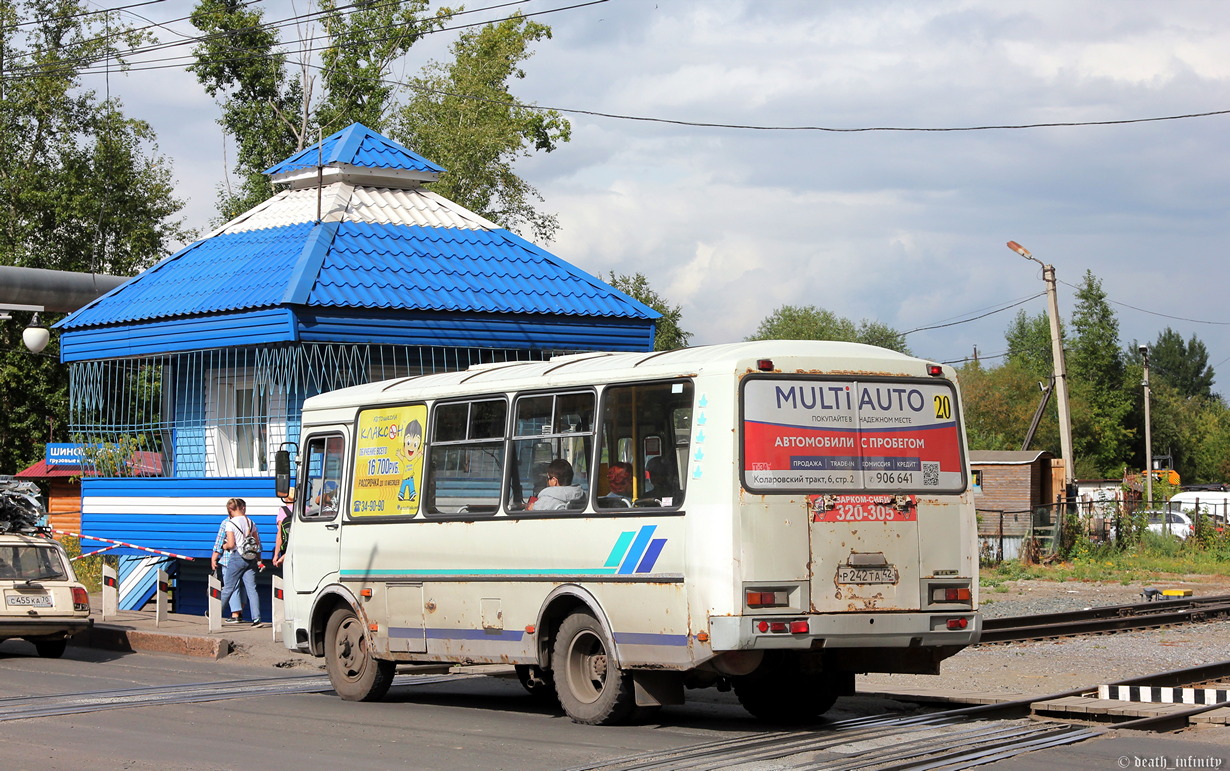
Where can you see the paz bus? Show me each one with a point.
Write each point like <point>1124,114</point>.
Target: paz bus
<point>772,517</point>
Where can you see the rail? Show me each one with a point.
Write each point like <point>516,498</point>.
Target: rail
<point>1109,618</point>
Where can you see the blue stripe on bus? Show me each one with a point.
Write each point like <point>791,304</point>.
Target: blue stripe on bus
<point>651,556</point>
<point>374,574</point>
<point>621,547</point>
<point>510,635</point>
<point>645,638</point>
<point>635,553</point>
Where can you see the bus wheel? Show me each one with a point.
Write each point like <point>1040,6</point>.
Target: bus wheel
<point>355,674</point>
<point>785,696</point>
<point>590,688</point>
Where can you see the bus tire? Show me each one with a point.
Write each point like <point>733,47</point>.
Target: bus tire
<point>590,688</point>
<point>782,695</point>
<point>356,675</point>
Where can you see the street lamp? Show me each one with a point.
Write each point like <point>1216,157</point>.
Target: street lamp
<point>1061,372</point>
<point>1144,352</point>
<point>36,335</point>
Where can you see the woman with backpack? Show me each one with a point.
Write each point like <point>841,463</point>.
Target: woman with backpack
<point>243,542</point>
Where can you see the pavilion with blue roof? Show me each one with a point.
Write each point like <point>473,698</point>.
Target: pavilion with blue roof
<point>354,272</point>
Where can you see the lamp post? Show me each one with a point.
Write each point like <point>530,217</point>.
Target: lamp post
<point>1144,352</point>
<point>1061,372</point>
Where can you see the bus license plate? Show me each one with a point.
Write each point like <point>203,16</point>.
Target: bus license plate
<point>852,575</point>
<point>30,600</point>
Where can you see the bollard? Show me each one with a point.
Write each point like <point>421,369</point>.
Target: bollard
<point>162,598</point>
<point>110,592</point>
<point>278,609</point>
<point>215,604</point>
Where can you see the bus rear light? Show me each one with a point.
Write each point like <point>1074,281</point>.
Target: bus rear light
<point>958,623</point>
<point>934,370</point>
<point>764,365</point>
<point>799,627</point>
<point>950,594</point>
<point>759,599</point>
<point>783,627</point>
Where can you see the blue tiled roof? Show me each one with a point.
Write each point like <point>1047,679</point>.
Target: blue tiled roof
<point>361,265</point>
<point>356,145</point>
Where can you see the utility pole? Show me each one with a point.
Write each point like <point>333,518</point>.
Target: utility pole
<point>1061,370</point>
<point>1144,352</point>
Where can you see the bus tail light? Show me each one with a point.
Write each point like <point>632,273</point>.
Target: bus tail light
<point>798,626</point>
<point>764,365</point>
<point>957,623</point>
<point>950,594</point>
<point>757,598</point>
<point>934,370</point>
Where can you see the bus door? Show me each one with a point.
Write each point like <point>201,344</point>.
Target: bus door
<point>866,457</point>
<point>315,536</point>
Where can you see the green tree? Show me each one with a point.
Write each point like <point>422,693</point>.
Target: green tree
<point>999,404</point>
<point>1184,365</point>
<point>1097,375</point>
<point>462,116</point>
<point>794,322</point>
<point>1029,343</point>
<point>669,334</point>
<point>82,188</point>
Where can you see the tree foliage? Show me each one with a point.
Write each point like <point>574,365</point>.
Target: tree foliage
<point>669,334</point>
<point>462,116</point>
<point>1183,365</point>
<point>794,322</point>
<point>1097,373</point>
<point>1029,344</point>
<point>82,188</point>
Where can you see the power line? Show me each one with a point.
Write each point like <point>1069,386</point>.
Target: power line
<point>975,318</point>
<point>1154,313</point>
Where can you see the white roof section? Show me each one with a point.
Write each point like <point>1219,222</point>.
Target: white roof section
<point>810,357</point>
<point>344,202</point>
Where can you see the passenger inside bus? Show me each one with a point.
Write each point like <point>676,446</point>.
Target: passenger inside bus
<point>619,486</point>
<point>661,480</point>
<point>560,492</point>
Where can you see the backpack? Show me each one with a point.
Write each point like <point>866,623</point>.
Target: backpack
<point>248,544</point>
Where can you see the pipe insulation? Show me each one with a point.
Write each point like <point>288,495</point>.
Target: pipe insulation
<point>58,291</point>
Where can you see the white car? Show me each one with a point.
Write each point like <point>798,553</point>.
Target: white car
<point>43,602</point>
<point>1174,522</point>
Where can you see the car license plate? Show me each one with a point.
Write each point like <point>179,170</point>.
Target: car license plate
<point>30,600</point>
<point>851,575</point>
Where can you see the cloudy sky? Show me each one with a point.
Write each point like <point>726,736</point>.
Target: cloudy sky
<point>905,227</point>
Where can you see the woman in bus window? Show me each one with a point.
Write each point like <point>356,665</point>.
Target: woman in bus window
<point>560,492</point>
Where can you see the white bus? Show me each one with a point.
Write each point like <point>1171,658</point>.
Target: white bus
<point>771,516</point>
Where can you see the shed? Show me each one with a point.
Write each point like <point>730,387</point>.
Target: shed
<point>1011,483</point>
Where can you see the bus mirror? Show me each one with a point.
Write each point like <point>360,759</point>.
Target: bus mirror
<point>281,473</point>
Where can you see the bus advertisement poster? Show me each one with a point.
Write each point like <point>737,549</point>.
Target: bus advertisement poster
<point>803,434</point>
<point>388,466</point>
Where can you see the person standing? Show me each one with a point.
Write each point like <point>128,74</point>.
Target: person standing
<point>243,543</point>
<point>217,560</point>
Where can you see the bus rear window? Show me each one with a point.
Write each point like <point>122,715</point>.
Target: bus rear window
<point>839,435</point>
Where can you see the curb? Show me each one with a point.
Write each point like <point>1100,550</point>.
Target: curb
<point>119,638</point>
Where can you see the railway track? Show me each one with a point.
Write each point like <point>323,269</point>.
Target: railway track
<point>1100,620</point>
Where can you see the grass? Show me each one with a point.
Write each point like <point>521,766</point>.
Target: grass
<point>1155,557</point>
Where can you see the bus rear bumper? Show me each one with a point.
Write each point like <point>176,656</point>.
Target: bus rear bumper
<point>845,630</point>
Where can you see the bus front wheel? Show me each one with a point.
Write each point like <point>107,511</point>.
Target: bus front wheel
<point>356,675</point>
<point>591,689</point>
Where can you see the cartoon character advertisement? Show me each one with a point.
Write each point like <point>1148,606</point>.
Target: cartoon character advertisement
<point>388,465</point>
<point>830,435</point>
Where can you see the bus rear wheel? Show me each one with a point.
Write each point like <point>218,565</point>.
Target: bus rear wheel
<point>356,675</point>
<point>784,695</point>
<point>591,689</point>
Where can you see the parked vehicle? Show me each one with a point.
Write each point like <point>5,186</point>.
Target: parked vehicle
<point>1211,503</point>
<point>43,602</point>
<point>1175,523</point>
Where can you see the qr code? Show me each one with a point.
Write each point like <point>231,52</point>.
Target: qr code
<point>931,474</point>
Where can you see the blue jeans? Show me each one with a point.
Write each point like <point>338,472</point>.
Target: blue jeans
<point>236,571</point>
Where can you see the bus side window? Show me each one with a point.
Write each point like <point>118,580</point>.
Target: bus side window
<point>551,427</point>
<point>323,482</point>
<point>646,427</point>
<point>466,458</point>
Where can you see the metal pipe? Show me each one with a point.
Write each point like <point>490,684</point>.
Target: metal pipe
<point>57,291</point>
